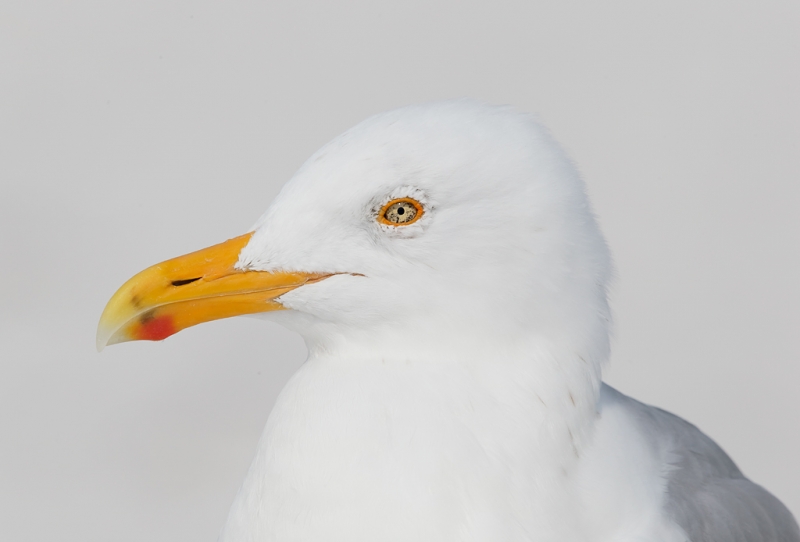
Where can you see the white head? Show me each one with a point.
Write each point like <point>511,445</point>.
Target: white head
<point>505,257</point>
<point>502,260</point>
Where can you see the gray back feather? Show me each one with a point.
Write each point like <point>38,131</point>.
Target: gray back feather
<point>708,496</point>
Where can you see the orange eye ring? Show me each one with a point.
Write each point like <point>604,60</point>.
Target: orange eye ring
<point>400,212</point>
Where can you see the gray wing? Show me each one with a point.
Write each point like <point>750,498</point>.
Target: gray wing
<point>708,496</point>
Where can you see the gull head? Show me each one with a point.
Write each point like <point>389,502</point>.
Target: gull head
<point>445,230</point>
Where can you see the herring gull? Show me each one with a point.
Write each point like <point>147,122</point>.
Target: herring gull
<point>448,276</point>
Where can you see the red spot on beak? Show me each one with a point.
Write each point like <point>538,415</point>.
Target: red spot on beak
<point>156,329</point>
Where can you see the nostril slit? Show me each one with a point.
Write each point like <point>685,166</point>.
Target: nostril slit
<point>184,281</point>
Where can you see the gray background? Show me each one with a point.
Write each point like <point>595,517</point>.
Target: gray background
<point>131,132</point>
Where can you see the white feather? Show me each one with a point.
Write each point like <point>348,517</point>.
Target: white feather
<point>453,386</point>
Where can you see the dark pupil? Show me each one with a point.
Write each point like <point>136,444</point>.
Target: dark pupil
<point>401,211</point>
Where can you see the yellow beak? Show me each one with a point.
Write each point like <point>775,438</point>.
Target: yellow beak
<point>192,289</point>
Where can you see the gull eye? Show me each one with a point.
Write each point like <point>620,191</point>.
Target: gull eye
<point>400,212</point>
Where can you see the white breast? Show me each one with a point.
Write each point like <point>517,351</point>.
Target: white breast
<point>389,451</point>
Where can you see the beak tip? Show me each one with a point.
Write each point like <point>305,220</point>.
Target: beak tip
<point>103,336</point>
<point>100,342</point>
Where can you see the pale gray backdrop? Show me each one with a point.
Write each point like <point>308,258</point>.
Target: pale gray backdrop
<point>131,132</point>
